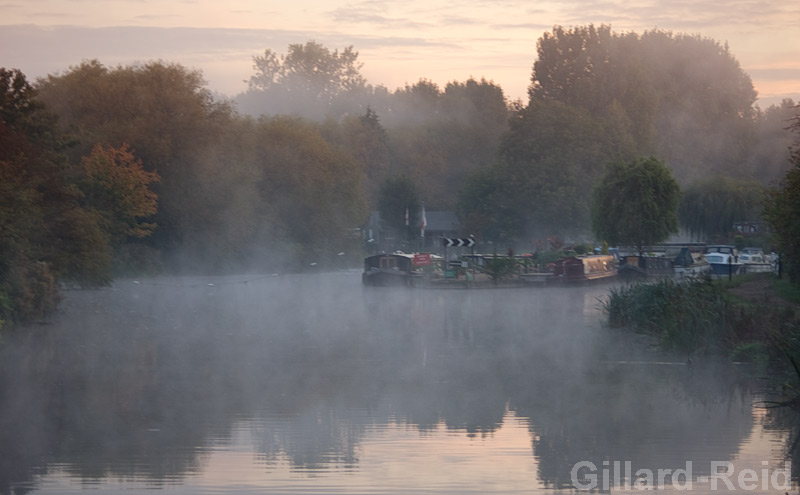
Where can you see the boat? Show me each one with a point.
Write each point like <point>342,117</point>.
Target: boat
<point>722,248</point>
<point>635,266</point>
<point>755,261</point>
<point>723,264</point>
<point>392,269</point>
<point>584,268</point>
<point>689,263</point>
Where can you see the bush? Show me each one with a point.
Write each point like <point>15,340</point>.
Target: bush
<point>32,294</point>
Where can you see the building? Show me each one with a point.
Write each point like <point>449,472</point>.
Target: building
<point>381,238</point>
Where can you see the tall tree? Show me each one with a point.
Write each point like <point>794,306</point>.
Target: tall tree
<point>636,204</point>
<point>782,211</point>
<point>770,158</point>
<point>45,235</point>
<point>399,204</point>
<point>365,138</point>
<point>314,190</point>
<point>487,207</point>
<point>683,98</point>
<point>439,138</point>
<point>415,103</point>
<point>308,80</point>
<point>709,208</point>
<point>549,161</point>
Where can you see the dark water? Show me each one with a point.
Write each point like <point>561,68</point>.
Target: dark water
<point>312,384</point>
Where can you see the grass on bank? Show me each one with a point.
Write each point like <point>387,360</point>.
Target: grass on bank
<point>703,316</point>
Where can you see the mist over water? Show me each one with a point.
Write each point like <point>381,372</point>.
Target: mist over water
<point>312,383</point>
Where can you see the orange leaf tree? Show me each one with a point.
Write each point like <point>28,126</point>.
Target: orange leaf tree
<point>117,187</point>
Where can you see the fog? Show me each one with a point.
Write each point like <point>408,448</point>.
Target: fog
<point>148,382</point>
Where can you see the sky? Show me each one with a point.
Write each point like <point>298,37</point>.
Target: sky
<point>399,42</point>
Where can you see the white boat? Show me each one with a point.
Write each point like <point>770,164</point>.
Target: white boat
<point>724,263</point>
<point>691,264</point>
<point>755,261</point>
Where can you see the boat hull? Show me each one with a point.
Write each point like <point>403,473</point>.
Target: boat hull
<point>726,268</point>
<point>757,267</point>
<point>382,278</point>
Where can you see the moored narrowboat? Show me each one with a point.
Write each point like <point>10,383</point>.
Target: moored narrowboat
<point>391,269</point>
<point>635,266</point>
<point>585,268</point>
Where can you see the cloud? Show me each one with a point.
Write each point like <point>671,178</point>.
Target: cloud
<point>680,15</point>
<point>449,48</point>
<point>225,55</point>
<point>375,18</point>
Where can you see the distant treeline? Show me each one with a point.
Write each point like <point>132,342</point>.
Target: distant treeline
<point>108,169</point>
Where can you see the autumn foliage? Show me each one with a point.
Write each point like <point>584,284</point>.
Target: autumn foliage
<point>59,223</point>
<point>139,167</point>
<point>117,187</point>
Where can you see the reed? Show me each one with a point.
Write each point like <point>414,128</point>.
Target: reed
<point>700,316</point>
<point>687,315</point>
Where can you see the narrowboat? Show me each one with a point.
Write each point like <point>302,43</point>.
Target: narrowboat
<point>394,269</point>
<point>631,267</point>
<point>585,268</point>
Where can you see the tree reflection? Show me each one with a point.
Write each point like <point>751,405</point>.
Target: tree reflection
<point>141,382</point>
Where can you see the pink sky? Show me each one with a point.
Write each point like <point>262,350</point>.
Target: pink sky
<point>398,42</point>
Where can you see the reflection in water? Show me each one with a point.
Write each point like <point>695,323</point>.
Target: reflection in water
<point>315,384</point>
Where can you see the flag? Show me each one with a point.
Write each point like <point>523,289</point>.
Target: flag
<point>406,217</point>
<point>423,224</point>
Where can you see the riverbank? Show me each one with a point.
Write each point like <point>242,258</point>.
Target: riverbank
<point>753,318</point>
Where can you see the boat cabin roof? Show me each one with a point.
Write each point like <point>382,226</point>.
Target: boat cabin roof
<point>404,261</point>
<point>721,248</point>
<point>718,257</point>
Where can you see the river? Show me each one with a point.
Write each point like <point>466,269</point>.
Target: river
<point>314,384</point>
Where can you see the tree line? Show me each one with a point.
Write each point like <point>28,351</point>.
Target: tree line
<point>598,97</point>
<point>113,170</point>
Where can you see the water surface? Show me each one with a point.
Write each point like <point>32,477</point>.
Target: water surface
<point>313,384</point>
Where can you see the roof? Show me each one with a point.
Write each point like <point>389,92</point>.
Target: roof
<point>442,220</point>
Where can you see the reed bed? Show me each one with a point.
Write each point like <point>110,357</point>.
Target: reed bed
<point>699,316</point>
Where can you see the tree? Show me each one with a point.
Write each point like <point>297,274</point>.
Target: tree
<point>313,190</point>
<point>548,163</point>
<point>636,204</point>
<point>770,157</point>
<point>486,207</point>
<point>118,188</point>
<point>683,98</point>
<point>308,80</point>
<point>163,112</point>
<point>415,103</point>
<point>367,141</point>
<point>709,208</point>
<point>311,69</point>
<point>398,199</point>
<point>46,237</point>
<point>782,212</point>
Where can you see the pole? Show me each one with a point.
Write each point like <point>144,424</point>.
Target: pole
<point>472,257</point>
<point>730,267</point>
<point>444,258</point>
